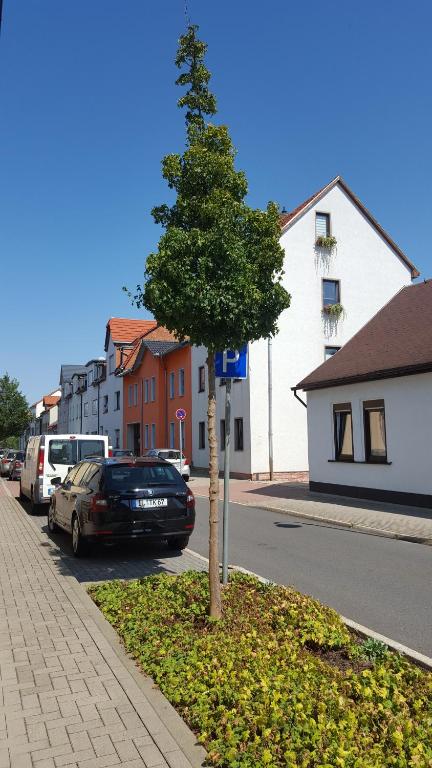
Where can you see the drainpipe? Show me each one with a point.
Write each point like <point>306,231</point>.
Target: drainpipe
<point>297,397</point>
<point>270,405</point>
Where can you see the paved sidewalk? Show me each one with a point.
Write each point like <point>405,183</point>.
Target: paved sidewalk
<point>392,520</point>
<point>69,696</point>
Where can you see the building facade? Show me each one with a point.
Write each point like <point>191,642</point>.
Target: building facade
<point>340,268</point>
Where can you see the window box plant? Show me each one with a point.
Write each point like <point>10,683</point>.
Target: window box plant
<point>326,241</point>
<point>333,310</point>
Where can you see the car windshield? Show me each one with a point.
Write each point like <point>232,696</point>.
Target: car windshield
<point>19,456</point>
<point>11,455</point>
<point>71,451</point>
<point>128,477</point>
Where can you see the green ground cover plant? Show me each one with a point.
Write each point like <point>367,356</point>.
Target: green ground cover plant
<point>279,681</point>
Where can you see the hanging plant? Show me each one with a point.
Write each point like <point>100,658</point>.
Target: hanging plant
<point>333,310</point>
<point>328,241</point>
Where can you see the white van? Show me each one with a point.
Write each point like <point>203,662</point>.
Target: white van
<point>49,456</point>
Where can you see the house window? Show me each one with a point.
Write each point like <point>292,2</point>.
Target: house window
<point>343,432</point>
<point>153,436</point>
<point>375,431</point>
<point>172,435</point>
<point>153,389</point>
<point>172,384</point>
<point>130,394</point>
<point>116,438</point>
<point>181,384</point>
<point>222,434</point>
<point>146,390</point>
<point>238,434</point>
<point>330,351</point>
<point>94,407</point>
<point>90,377</point>
<point>86,409</point>
<point>222,382</point>
<point>322,225</point>
<point>146,436</point>
<point>331,292</point>
<point>201,435</point>
<point>111,363</point>
<point>105,404</point>
<point>201,378</point>
<point>117,400</point>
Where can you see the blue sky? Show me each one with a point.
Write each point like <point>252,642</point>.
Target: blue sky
<point>88,109</point>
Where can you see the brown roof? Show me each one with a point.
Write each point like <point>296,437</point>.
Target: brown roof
<point>50,400</point>
<point>397,341</point>
<point>127,330</point>
<point>160,333</point>
<point>287,218</point>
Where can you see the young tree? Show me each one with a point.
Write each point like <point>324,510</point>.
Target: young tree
<point>215,278</point>
<point>14,410</point>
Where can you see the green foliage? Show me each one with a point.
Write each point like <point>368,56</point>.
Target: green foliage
<point>334,310</point>
<point>324,241</point>
<point>216,276</point>
<point>14,411</point>
<point>373,650</point>
<point>274,683</point>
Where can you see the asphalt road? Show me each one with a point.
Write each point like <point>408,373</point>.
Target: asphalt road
<point>381,583</point>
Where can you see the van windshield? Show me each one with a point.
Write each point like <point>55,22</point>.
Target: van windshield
<point>128,477</point>
<point>71,451</point>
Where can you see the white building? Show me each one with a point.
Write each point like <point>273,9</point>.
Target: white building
<point>66,413</point>
<point>340,268</point>
<point>87,399</point>
<point>369,408</point>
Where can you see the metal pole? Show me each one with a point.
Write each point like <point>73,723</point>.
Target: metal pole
<point>181,445</point>
<point>226,480</point>
<point>270,406</point>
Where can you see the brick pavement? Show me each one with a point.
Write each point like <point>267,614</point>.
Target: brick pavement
<point>392,520</point>
<point>68,695</point>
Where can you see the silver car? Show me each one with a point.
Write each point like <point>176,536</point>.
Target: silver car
<point>173,457</point>
<point>5,463</point>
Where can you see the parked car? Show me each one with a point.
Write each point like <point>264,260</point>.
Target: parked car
<point>173,456</point>
<point>121,452</point>
<point>16,466</point>
<point>49,456</point>
<point>108,500</point>
<point>5,463</point>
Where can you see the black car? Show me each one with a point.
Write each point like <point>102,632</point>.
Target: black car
<point>107,500</point>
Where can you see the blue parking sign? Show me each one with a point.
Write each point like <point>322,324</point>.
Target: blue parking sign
<point>232,363</point>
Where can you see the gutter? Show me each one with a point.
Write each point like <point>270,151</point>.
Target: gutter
<point>297,397</point>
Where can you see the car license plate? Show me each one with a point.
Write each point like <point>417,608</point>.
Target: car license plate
<point>50,490</point>
<point>151,503</point>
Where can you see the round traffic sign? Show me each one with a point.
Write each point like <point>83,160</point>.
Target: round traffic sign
<point>180,414</point>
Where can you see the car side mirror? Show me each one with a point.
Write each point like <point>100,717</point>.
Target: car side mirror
<point>56,481</point>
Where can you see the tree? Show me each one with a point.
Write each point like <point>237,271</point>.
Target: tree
<point>215,278</point>
<point>14,409</point>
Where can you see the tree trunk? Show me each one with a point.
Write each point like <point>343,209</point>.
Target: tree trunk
<point>214,577</point>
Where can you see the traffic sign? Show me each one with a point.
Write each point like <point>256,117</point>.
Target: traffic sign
<point>231,363</point>
<point>180,414</point>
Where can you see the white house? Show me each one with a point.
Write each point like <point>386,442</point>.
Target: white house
<point>87,400</point>
<point>65,413</point>
<point>369,408</point>
<point>340,268</point>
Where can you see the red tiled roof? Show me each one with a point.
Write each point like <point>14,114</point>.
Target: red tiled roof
<point>286,218</point>
<point>159,333</point>
<point>127,330</point>
<point>397,341</point>
<point>50,400</point>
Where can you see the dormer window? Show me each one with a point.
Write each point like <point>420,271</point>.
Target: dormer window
<point>322,225</point>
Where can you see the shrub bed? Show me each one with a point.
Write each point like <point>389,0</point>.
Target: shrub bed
<point>279,681</point>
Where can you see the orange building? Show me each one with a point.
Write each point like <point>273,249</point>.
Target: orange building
<point>156,381</point>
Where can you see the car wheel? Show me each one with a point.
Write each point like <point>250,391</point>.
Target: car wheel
<point>178,542</point>
<point>21,495</point>
<point>79,544</point>
<point>52,525</point>
<point>186,478</point>
<point>34,508</point>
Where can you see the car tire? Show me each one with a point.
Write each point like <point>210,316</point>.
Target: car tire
<point>79,544</point>
<point>21,495</point>
<point>52,525</point>
<point>178,542</point>
<point>34,508</point>
<point>186,478</point>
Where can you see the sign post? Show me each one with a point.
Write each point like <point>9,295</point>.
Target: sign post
<point>180,416</point>
<point>230,364</point>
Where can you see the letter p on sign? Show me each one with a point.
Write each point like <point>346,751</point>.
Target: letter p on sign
<point>229,357</point>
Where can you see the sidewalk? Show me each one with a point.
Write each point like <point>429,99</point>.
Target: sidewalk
<point>391,520</point>
<point>69,696</point>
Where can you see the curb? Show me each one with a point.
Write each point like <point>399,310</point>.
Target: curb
<point>417,658</point>
<point>358,527</point>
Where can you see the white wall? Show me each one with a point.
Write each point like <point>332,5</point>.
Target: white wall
<point>408,415</point>
<point>112,420</point>
<point>240,460</point>
<point>370,274</point>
